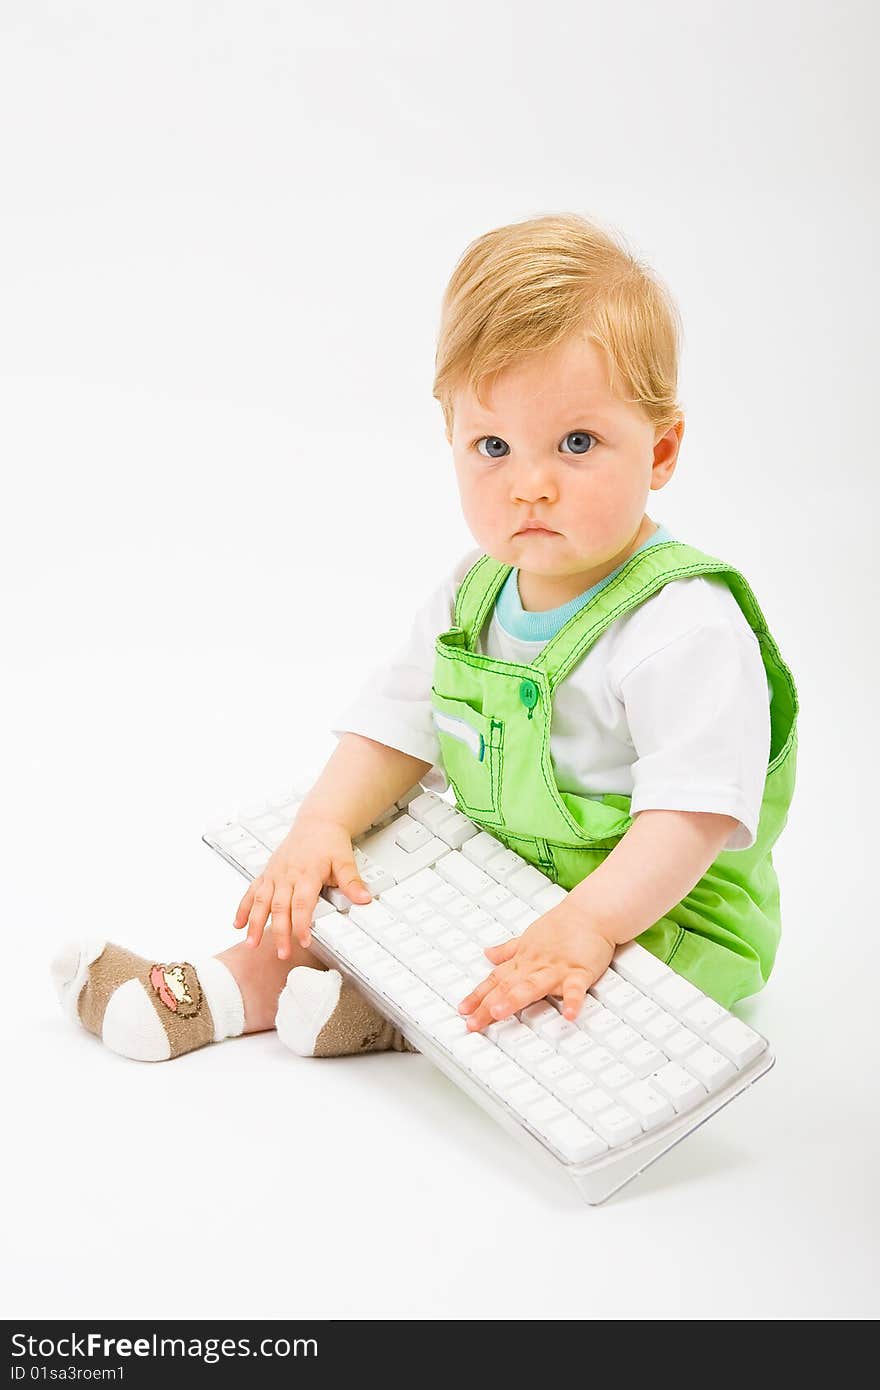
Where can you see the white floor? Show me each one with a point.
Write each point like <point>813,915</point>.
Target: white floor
<point>242,1181</point>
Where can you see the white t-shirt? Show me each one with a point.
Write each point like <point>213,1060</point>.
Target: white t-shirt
<point>671,705</point>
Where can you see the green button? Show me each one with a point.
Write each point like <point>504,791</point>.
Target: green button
<point>528,693</point>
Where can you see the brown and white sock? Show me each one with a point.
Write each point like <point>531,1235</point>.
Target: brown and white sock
<point>143,1009</point>
<point>322,1015</point>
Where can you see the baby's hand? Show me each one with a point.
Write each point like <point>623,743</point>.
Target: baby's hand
<point>561,953</point>
<point>315,852</point>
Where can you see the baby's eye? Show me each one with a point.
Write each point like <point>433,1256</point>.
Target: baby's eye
<point>492,442</point>
<point>580,444</point>
<point>496,448</point>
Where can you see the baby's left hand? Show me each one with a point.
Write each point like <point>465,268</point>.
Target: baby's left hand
<point>561,953</point>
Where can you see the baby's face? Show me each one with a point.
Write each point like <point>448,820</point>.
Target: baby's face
<point>554,444</point>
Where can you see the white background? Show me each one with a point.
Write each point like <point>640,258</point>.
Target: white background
<point>226,229</point>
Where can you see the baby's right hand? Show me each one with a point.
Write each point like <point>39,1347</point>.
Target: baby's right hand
<point>315,852</point>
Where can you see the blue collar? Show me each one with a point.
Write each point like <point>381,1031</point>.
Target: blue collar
<point>540,627</point>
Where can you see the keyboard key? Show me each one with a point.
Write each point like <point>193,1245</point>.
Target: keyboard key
<point>468,1046</point>
<point>435,1018</point>
<point>550,896</point>
<point>615,1077</point>
<point>399,897</point>
<point>680,1043</point>
<point>422,804</point>
<point>574,1140</point>
<point>739,1043</point>
<point>410,835</point>
<point>616,1125</point>
<point>710,1067</point>
<point>574,1046</point>
<point>412,950</point>
<point>449,938</point>
<point>640,967</point>
<point>434,926</point>
<point>572,1084</point>
<point>451,1029</point>
<point>522,1096</point>
<point>462,874</point>
<point>650,1107</point>
<point>424,883</point>
<point>508,1078</point>
<point>491,935</point>
<point>678,1086</point>
<point>531,1058</point>
<point>442,895</point>
<point>392,977</point>
<point>471,956</point>
<point>418,913</point>
<point>527,882</point>
<point>704,1016</point>
<point>534,1014</point>
<point>622,1038</point>
<point>554,1066</point>
<point>514,914</point>
<point>503,864</point>
<point>546,1111</point>
<point>621,996</point>
<point>454,990</point>
<point>595,1061</point>
<point>643,1059</point>
<point>494,897</point>
<point>676,994</point>
<point>557,1030</point>
<point>605,985</point>
<point>484,1063</point>
<point>481,848</point>
<point>589,1007</point>
<point>660,1027</point>
<point>590,1103</point>
<point>455,830</point>
<point>513,1037</point>
<point>371,916</point>
<point>639,1012</point>
<point>600,1024</point>
<point>441,974</point>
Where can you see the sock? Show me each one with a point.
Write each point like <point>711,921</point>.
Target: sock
<point>322,1015</point>
<point>143,1009</point>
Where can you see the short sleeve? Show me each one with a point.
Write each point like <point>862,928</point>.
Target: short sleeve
<point>698,711</point>
<point>393,706</point>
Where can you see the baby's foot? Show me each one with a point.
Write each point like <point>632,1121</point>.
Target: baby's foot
<point>322,1015</point>
<point>144,1009</point>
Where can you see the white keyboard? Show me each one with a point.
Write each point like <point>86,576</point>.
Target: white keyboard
<point>648,1059</point>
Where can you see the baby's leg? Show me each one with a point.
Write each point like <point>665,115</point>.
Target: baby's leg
<point>152,1011</point>
<point>322,1015</point>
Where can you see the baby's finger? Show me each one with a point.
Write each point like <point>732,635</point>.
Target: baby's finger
<point>263,890</point>
<point>574,992</point>
<point>244,908</point>
<point>281,917</point>
<point>476,996</point>
<point>350,882</point>
<point>520,990</point>
<point>503,951</point>
<point>305,896</point>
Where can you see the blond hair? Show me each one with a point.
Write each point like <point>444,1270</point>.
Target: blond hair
<point>527,286</point>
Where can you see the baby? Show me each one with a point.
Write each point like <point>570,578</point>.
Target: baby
<point>603,698</point>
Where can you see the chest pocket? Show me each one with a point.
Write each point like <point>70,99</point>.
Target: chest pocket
<point>472,746</point>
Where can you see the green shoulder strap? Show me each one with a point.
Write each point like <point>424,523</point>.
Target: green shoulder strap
<point>640,577</point>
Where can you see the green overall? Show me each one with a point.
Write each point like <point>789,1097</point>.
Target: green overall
<point>493,725</point>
